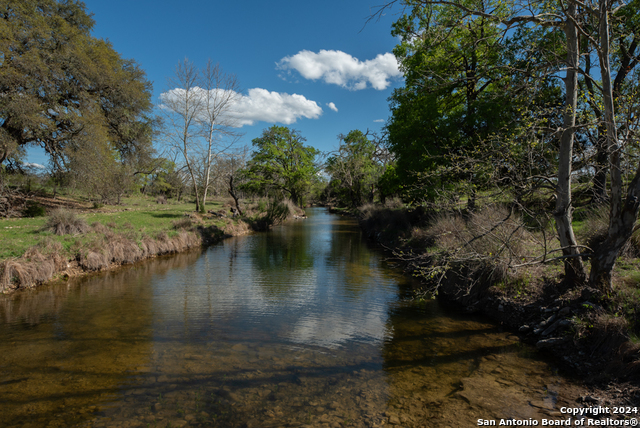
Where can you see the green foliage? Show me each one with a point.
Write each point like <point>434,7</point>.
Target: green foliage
<point>468,90</point>
<point>281,165</point>
<point>354,169</point>
<point>34,209</point>
<point>56,79</point>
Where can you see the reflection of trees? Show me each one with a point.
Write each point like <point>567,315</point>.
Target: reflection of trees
<point>280,256</point>
<point>350,257</point>
<point>283,248</point>
<point>72,345</point>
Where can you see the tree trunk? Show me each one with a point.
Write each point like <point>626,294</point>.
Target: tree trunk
<point>574,269</point>
<point>622,217</point>
<point>620,230</point>
<point>232,192</point>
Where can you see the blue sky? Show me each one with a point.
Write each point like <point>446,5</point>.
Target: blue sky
<point>325,52</point>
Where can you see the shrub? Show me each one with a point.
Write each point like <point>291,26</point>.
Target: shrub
<point>390,222</point>
<point>489,244</point>
<point>34,209</point>
<point>64,222</point>
<point>183,223</point>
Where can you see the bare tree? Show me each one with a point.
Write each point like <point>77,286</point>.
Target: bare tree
<point>182,106</point>
<point>200,121</point>
<point>221,92</point>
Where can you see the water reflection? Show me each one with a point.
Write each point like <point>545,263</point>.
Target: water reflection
<point>299,326</point>
<point>306,283</point>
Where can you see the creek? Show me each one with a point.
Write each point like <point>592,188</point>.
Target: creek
<point>304,325</point>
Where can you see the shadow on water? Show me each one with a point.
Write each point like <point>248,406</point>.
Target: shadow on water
<point>302,325</point>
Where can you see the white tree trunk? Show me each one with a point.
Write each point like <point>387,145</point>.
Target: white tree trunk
<point>574,269</point>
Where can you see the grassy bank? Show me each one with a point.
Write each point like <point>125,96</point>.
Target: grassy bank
<point>76,237</point>
<point>491,262</point>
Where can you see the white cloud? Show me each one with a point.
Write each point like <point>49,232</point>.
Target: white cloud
<point>340,68</point>
<point>379,121</point>
<point>265,106</point>
<point>332,106</point>
<point>33,165</point>
<point>258,105</point>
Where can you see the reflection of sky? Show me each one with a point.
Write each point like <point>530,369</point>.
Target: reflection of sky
<point>330,292</point>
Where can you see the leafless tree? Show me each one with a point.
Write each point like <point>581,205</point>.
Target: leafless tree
<point>217,122</point>
<point>199,108</point>
<point>182,107</point>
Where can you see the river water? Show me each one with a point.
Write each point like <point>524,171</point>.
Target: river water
<point>305,325</point>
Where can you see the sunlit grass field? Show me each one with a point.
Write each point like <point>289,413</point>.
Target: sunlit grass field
<point>136,217</point>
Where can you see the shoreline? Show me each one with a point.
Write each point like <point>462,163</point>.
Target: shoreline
<point>601,360</point>
<point>38,267</point>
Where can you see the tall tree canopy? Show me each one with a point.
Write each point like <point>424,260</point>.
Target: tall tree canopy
<point>281,164</point>
<point>528,44</point>
<point>355,168</point>
<point>56,80</point>
<point>465,82</point>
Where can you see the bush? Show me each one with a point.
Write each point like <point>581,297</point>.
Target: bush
<point>595,228</point>
<point>276,213</point>
<point>489,243</point>
<point>183,223</point>
<point>34,209</point>
<point>64,222</point>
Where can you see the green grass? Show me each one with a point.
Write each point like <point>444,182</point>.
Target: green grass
<point>136,216</point>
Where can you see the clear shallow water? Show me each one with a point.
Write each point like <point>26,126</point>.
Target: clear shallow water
<point>304,325</point>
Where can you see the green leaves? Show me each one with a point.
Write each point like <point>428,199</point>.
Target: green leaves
<point>281,164</point>
<point>354,169</point>
<point>55,77</point>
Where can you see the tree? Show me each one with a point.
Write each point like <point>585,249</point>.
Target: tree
<point>569,21</point>
<point>95,165</point>
<point>354,168</point>
<point>460,87</point>
<point>198,112</point>
<point>181,107</point>
<point>55,77</point>
<point>281,164</point>
<point>221,93</point>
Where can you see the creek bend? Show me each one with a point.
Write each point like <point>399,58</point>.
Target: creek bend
<point>302,325</point>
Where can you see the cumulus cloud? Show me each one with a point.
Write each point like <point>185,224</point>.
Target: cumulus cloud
<point>258,105</point>
<point>332,106</point>
<point>340,68</point>
<point>33,165</point>
<point>266,106</point>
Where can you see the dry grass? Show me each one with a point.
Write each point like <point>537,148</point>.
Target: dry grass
<point>36,266</point>
<point>493,233</point>
<point>40,263</point>
<point>65,222</point>
<point>184,223</point>
<point>390,223</point>
<point>276,212</point>
<point>237,228</point>
<point>594,232</point>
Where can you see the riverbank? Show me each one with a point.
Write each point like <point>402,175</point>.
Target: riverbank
<point>33,253</point>
<point>587,334</point>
